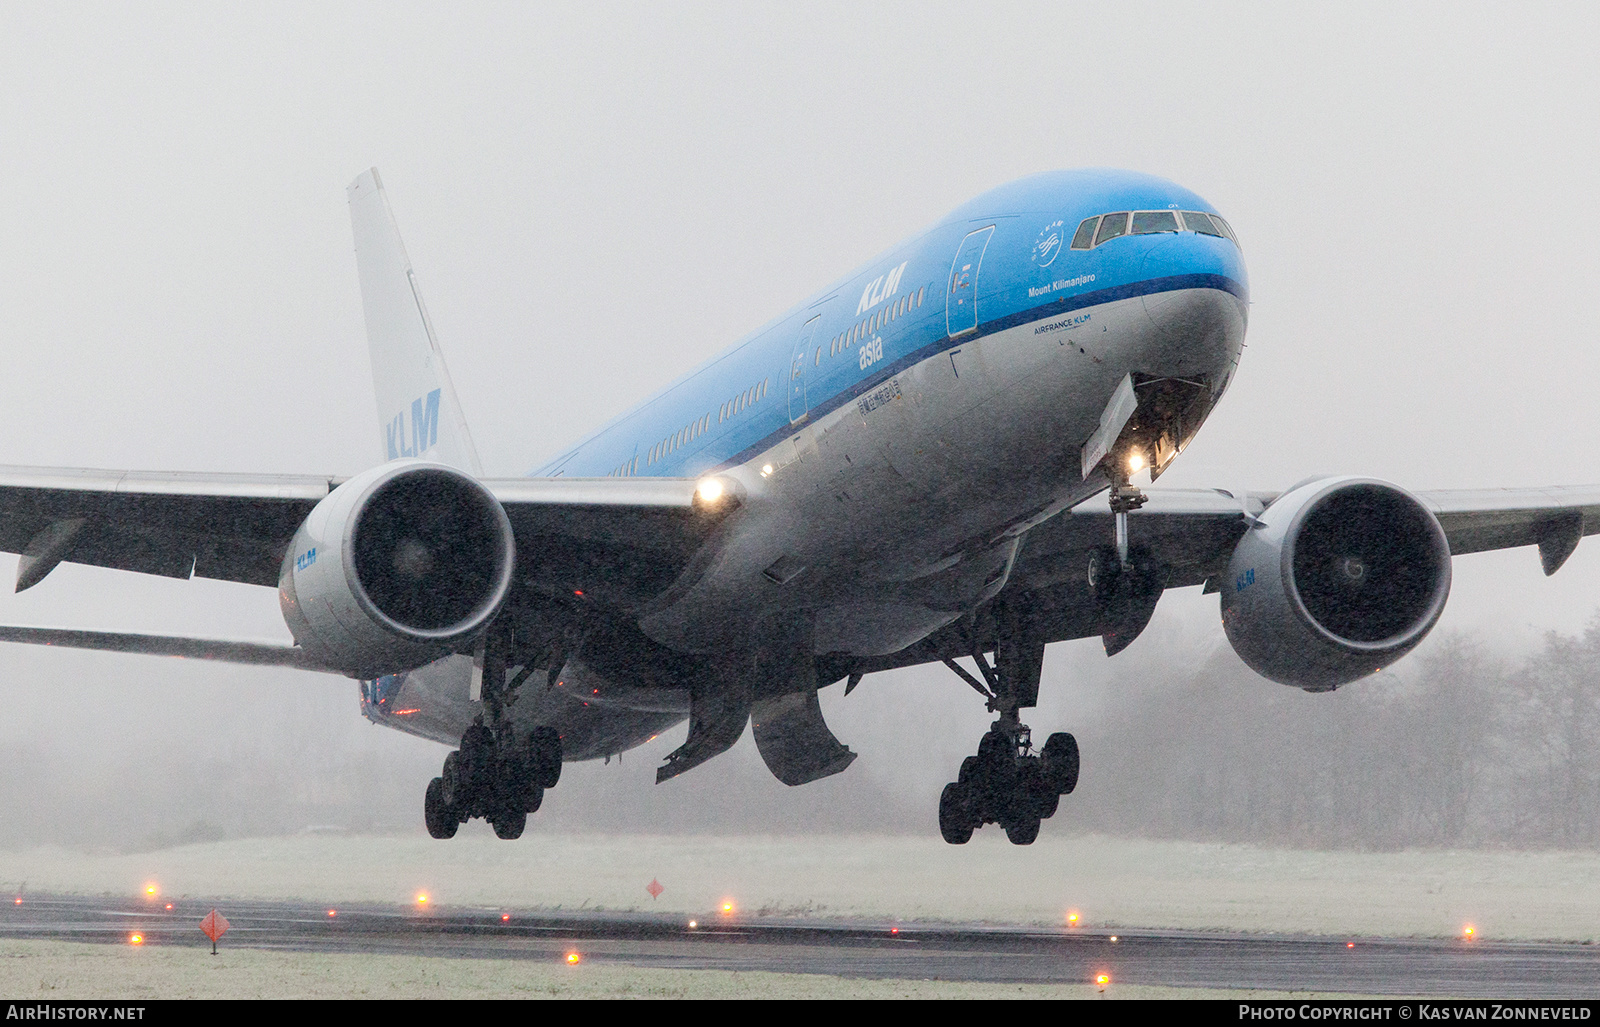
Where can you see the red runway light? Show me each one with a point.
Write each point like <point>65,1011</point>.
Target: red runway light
<point>504,917</point>
<point>169,905</point>
<point>333,912</point>
<point>1349,944</point>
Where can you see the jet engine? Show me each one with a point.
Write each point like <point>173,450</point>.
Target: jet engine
<point>1335,580</point>
<point>398,566</point>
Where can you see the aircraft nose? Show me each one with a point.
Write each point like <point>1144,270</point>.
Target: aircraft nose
<point>1197,307</point>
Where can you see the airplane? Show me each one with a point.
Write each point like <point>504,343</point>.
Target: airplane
<point>900,470</point>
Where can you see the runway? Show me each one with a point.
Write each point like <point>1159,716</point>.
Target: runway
<point>850,949</point>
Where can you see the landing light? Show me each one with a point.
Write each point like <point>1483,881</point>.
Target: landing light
<point>135,939</point>
<point>726,907</point>
<point>1469,932</point>
<point>1101,980</point>
<point>573,959</point>
<point>151,891</point>
<point>1072,918</point>
<point>1136,463</point>
<point>709,491</point>
<point>422,898</point>
<point>766,469</point>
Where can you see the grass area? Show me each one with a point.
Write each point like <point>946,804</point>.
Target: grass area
<point>1111,882</point>
<point>72,971</point>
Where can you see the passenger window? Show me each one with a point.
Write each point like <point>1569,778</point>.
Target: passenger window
<point>1111,226</point>
<point>1085,234</point>
<point>1195,221</point>
<point>1148,222</point>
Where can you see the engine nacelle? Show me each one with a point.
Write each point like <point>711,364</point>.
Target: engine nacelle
<point>397,567</point>
<point>1339,578</point>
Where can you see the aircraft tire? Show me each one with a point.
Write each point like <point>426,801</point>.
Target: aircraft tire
<point>509,823</point>
<point>1060,757</point>
<point>1022,832</point>
<point>955,819</point>
<point>442,821</point>
<point>544,755</point>
<point>1035,796</point>
<point>452,790</point>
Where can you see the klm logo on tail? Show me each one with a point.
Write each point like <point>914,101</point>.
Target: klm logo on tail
<point>423,432</point>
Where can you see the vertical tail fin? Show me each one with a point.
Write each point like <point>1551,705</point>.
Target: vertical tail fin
<point>418,412</point>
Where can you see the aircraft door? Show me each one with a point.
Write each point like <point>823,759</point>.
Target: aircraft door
<point>798,364</point>
<point>961,299</point>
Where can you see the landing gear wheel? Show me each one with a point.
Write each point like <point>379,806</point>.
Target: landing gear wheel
<point>544,756</point>
<point>442,821</point>
<point>1035,797</point>
<point>955,822</point>
<point>1061,762</point>
<point>508,823</point>
<point>1022,832</point>
<point>452,789</point>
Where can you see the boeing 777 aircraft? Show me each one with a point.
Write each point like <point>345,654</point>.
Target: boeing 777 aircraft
<point>902,469</point>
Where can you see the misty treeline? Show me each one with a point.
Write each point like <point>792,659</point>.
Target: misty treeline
<point>1458,747</point>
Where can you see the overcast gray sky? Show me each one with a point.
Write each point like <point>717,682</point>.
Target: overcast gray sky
<point>597,197</point>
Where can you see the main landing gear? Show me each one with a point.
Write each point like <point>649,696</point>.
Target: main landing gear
<point>1007,782</point>
<point>502,783</point>
<point>495,774</point>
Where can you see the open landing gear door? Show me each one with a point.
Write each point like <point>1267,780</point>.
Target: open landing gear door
<point>719,707</point>
<point>795,741</point>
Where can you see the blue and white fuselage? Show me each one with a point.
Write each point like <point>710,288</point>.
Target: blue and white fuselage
<point>907,425</point>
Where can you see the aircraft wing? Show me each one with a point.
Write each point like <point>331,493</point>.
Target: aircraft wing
<point>1193,532</point>
<point>618,540</point>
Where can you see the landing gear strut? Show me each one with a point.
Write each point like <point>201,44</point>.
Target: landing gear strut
<point>494,774</point>
<point>1007,782</point>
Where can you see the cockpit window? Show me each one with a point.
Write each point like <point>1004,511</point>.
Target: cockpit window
<point>1146,222</point>
<point>1096,230</point>
<point>1085,236</point>
<point>1111,226</point>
